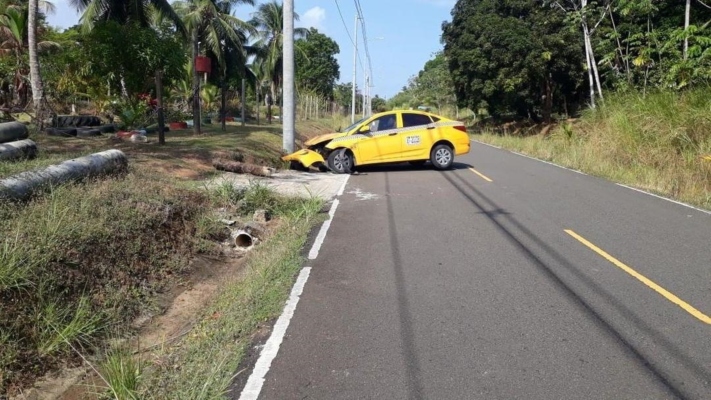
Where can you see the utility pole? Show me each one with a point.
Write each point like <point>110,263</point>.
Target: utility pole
<point>365,91</point>
<point>288,90</point>
<point>355,63</point>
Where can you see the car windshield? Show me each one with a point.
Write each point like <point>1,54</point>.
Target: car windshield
<point>360,121</point>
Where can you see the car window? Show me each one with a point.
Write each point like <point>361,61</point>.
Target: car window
<point>409,119</point>
<point>435,119</point>
<point>383,123</point>
<point>350,128</point>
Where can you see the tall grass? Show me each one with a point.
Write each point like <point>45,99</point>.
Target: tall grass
<point>83,260</point>
<point>654,142</point>
<point>203,364</point>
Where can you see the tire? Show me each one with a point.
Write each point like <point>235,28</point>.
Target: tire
<point>418,163</point>
<point>107,128</point>
<point>83,133</point>
<point>442,157</point>
<point>63,132</point>
<point>340,161</point>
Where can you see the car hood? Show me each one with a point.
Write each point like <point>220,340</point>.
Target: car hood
<point>324,138</point>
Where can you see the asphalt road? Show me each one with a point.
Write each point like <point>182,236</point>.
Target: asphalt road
<point>541,283</point>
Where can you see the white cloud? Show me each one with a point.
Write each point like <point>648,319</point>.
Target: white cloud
<point>313,18</point>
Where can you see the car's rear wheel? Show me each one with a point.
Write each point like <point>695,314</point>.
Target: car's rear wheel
<point>340,161</point>
<point>442,156</point>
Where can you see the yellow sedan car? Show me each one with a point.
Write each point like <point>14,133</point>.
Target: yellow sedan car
<point>389,137</point>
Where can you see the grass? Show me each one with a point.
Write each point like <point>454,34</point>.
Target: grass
<point>80,262</point>
<point>203,364</point>
<point>184,156</point>
<point>656,143</point>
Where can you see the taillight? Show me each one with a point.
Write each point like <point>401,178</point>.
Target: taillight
<point>461,128</point>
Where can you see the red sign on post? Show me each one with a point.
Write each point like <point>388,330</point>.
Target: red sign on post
<point>203,64</point>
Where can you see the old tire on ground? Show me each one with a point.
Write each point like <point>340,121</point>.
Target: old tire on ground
<point>83,133</point>
<point>12,131</point>
<point>65,132</point>
<point>107,128</point>
<point>340,161</point>
<point>442,156</point>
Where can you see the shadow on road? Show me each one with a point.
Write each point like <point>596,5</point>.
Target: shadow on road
<point>412,362</point>
<point>405,167</point>
<point>480,201</point>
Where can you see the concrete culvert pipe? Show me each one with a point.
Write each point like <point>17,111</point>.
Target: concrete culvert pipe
<point>23,185</point>
<point>243,239</point>
<point>19,149</point>
<point>12,131</point>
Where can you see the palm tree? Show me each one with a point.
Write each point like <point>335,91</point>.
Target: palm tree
<point>211,22</point>
<point>14,38</point>
<point>269,22</point>
<point>35,77</point>
<point>123,11</point>
<point>260,76</point>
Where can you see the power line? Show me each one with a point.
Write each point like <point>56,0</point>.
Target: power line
<point>359,10</point>
<point>345,26</point>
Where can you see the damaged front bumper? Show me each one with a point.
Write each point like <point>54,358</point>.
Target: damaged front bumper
<point>305,157</point>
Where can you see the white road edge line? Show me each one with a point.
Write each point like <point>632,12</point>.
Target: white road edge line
<point>532,158</point>
<point>664,198</point>
<point>549,163</point>
<point>255,382</point>
<point>618,184</point>
<point>486,144</point>
<point>313,253</point>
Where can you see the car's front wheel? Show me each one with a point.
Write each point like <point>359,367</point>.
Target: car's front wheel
<point>340,161</point>
<point>442,156</point>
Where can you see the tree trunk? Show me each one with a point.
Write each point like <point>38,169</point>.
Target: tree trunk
<point>25,184</point>
<point>223,106</point>
<point>196,86</point>
<point>35,76</point>
<point>687,20</point>
<point>256,94</point>
<point>159,100</point>
<point>241,168</point>
<point>593,61</point>
<point>591,80</point>
<point>548,101</point>
<point>624,59</point>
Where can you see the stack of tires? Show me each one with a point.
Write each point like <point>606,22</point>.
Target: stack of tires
<point>82,126</point>
<point>14,143</point>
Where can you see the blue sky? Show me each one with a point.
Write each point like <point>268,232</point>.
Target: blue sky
<point>402,34</point>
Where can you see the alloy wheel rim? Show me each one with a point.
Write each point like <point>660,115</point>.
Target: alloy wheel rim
<point>443,156</point>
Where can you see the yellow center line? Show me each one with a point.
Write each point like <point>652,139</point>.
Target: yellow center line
<point>480,174</point>
<point>667,294</point>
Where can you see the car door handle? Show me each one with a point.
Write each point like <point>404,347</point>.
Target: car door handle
<point>430,127</point>
<point>392,134</point>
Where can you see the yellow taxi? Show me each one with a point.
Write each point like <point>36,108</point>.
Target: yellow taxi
<point>389,137</point>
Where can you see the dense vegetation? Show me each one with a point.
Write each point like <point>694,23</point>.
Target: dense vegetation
<point>538,58</point>
<point>107,64</point>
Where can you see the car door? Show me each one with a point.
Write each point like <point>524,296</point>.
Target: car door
<point>418,134</point>
<point>380,140</point>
